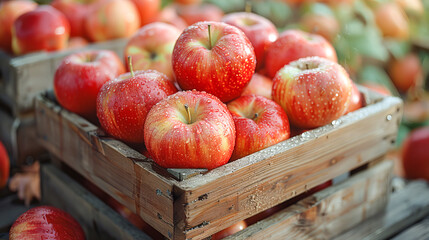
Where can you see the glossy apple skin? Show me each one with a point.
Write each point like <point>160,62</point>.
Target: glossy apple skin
<point>224,70</point>
<point>46,222</point>
<point>112,19</point>
<point>293,45</point>
<point>415,154</point>
<point>123,103</point>
<point>259,123</point>
<point>152,46</point>
<point>406,72</point>
<point>259,85</point>
<point>236,227</point>
<point>44,28</point>
<point>148,10</point>
<point>9,12</point>
<point>260,31</point>
<point>313,91</point>
<point>356,100</point>
<point>206,141</point>
<point>80,76</point>
<point>4,166</point>
<point>194,13</point>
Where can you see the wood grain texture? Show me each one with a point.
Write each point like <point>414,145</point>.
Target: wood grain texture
<point>197,207</point>
<point>328,212</point>
<point>404,208</point>
<point>419,230</point>
<point>98,220</point>
<point>23,77</point>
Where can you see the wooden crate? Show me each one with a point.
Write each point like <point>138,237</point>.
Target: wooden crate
<point>196,205</point>
<point>23,77</point>
<point>98,220</point>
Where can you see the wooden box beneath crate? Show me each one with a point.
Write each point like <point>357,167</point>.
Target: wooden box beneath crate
<point>205,202</point>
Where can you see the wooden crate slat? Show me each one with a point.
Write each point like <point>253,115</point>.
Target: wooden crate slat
<point>417,231</point>
<point>404,208</point>
<point>250,185</point>
<point>328,212</point>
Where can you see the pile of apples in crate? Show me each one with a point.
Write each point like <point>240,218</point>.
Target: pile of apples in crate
<point>204,84</point>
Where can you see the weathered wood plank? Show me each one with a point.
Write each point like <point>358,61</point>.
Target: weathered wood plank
<point>404,208</point>
<point>97,219</point>
<point>254,183</point>
<point>328,212</point>
<point>419,230</point>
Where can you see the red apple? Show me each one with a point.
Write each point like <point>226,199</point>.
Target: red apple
<point>199,12</point>
<point>80,76</point>
<point>259,123</point>
<point>152,46</point>
<point>4,166</point>
<point>219,60</point>
<point>236,227</point>
<point>259,85</point>
<point>293,45</point>
<point>356,100</point>
<point>190,129</point>
<point>46,222</point>
<point>415,154</point>
<point>148,10</point>
<point>123,103</point>
<point>169,15</point>
<point>77,42</point>
<point>313,91</point>
<point>324,25</point>
<point>76,12</point>
<point>392,21</point>
<point>44,28</point>
<point>111,19</point>
<point>260,31</point>
<point>406,72</point>
<point>9,12</point>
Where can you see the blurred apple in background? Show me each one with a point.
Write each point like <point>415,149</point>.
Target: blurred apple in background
<point>111,19</point>
<point>169,15</point>
<point>259,85</point>
<point>293,45</point>
<point>190,129</point>
<point>260,31</point>
<point>323,25</point>
<point>415,154</point>
<point>9,12</point>
<point>123,103</point>
<point>406,72</point>
<point>259,123</point>
<point>46,222</point>
<point>77,42</point>
<point>152,46</point>
<point>218,59</point>
<point>80,76</point>
<point>199,12</point>
<point>188,2</point>
<point>4,166</point>
<point>44,28</point>
<point>148,10</point>
<point>236,227</point>
<point>392,21</point>
<point>313,91</point>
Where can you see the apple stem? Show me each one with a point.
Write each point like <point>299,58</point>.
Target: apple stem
<point>188,113</point>
<point>248,7</point>
<point>130,65</point>
<point>256,116</point>
<point>210,36</point>
<point>306,66</point>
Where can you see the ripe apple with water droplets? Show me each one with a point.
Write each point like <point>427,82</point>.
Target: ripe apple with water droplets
<point>259,123</point>
<point>123,103</point>
<point>313,91</point>
<point>214,57</point>
<point>259,85</point>
<point>293,45</point>
<point>190,129</point>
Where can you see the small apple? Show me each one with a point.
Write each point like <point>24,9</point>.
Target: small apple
<point>152,46</point>
<point>415,154</point>
<point>392,21</point>
<point>190,129</point>
<point>259,123</point>
<point>406,72</point>
<point>44,28</point>
<point>77,42</point>
<point>236,227</point>
<point>214,57</point>
<point>111,19</point>
<point>46,222</point>
<point>260,31</point>
<point>9,12</point>
<point>259,85</point>
<point>313,91</point>
<point>148,10</point>
<point>293,45</point>
<point>194,13</point>
<point>123,103</point>
<point>4,166</point>
<point>356,100</point>
<point>169,15</point>
<point>80,76</point>
<point>325,25</point>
